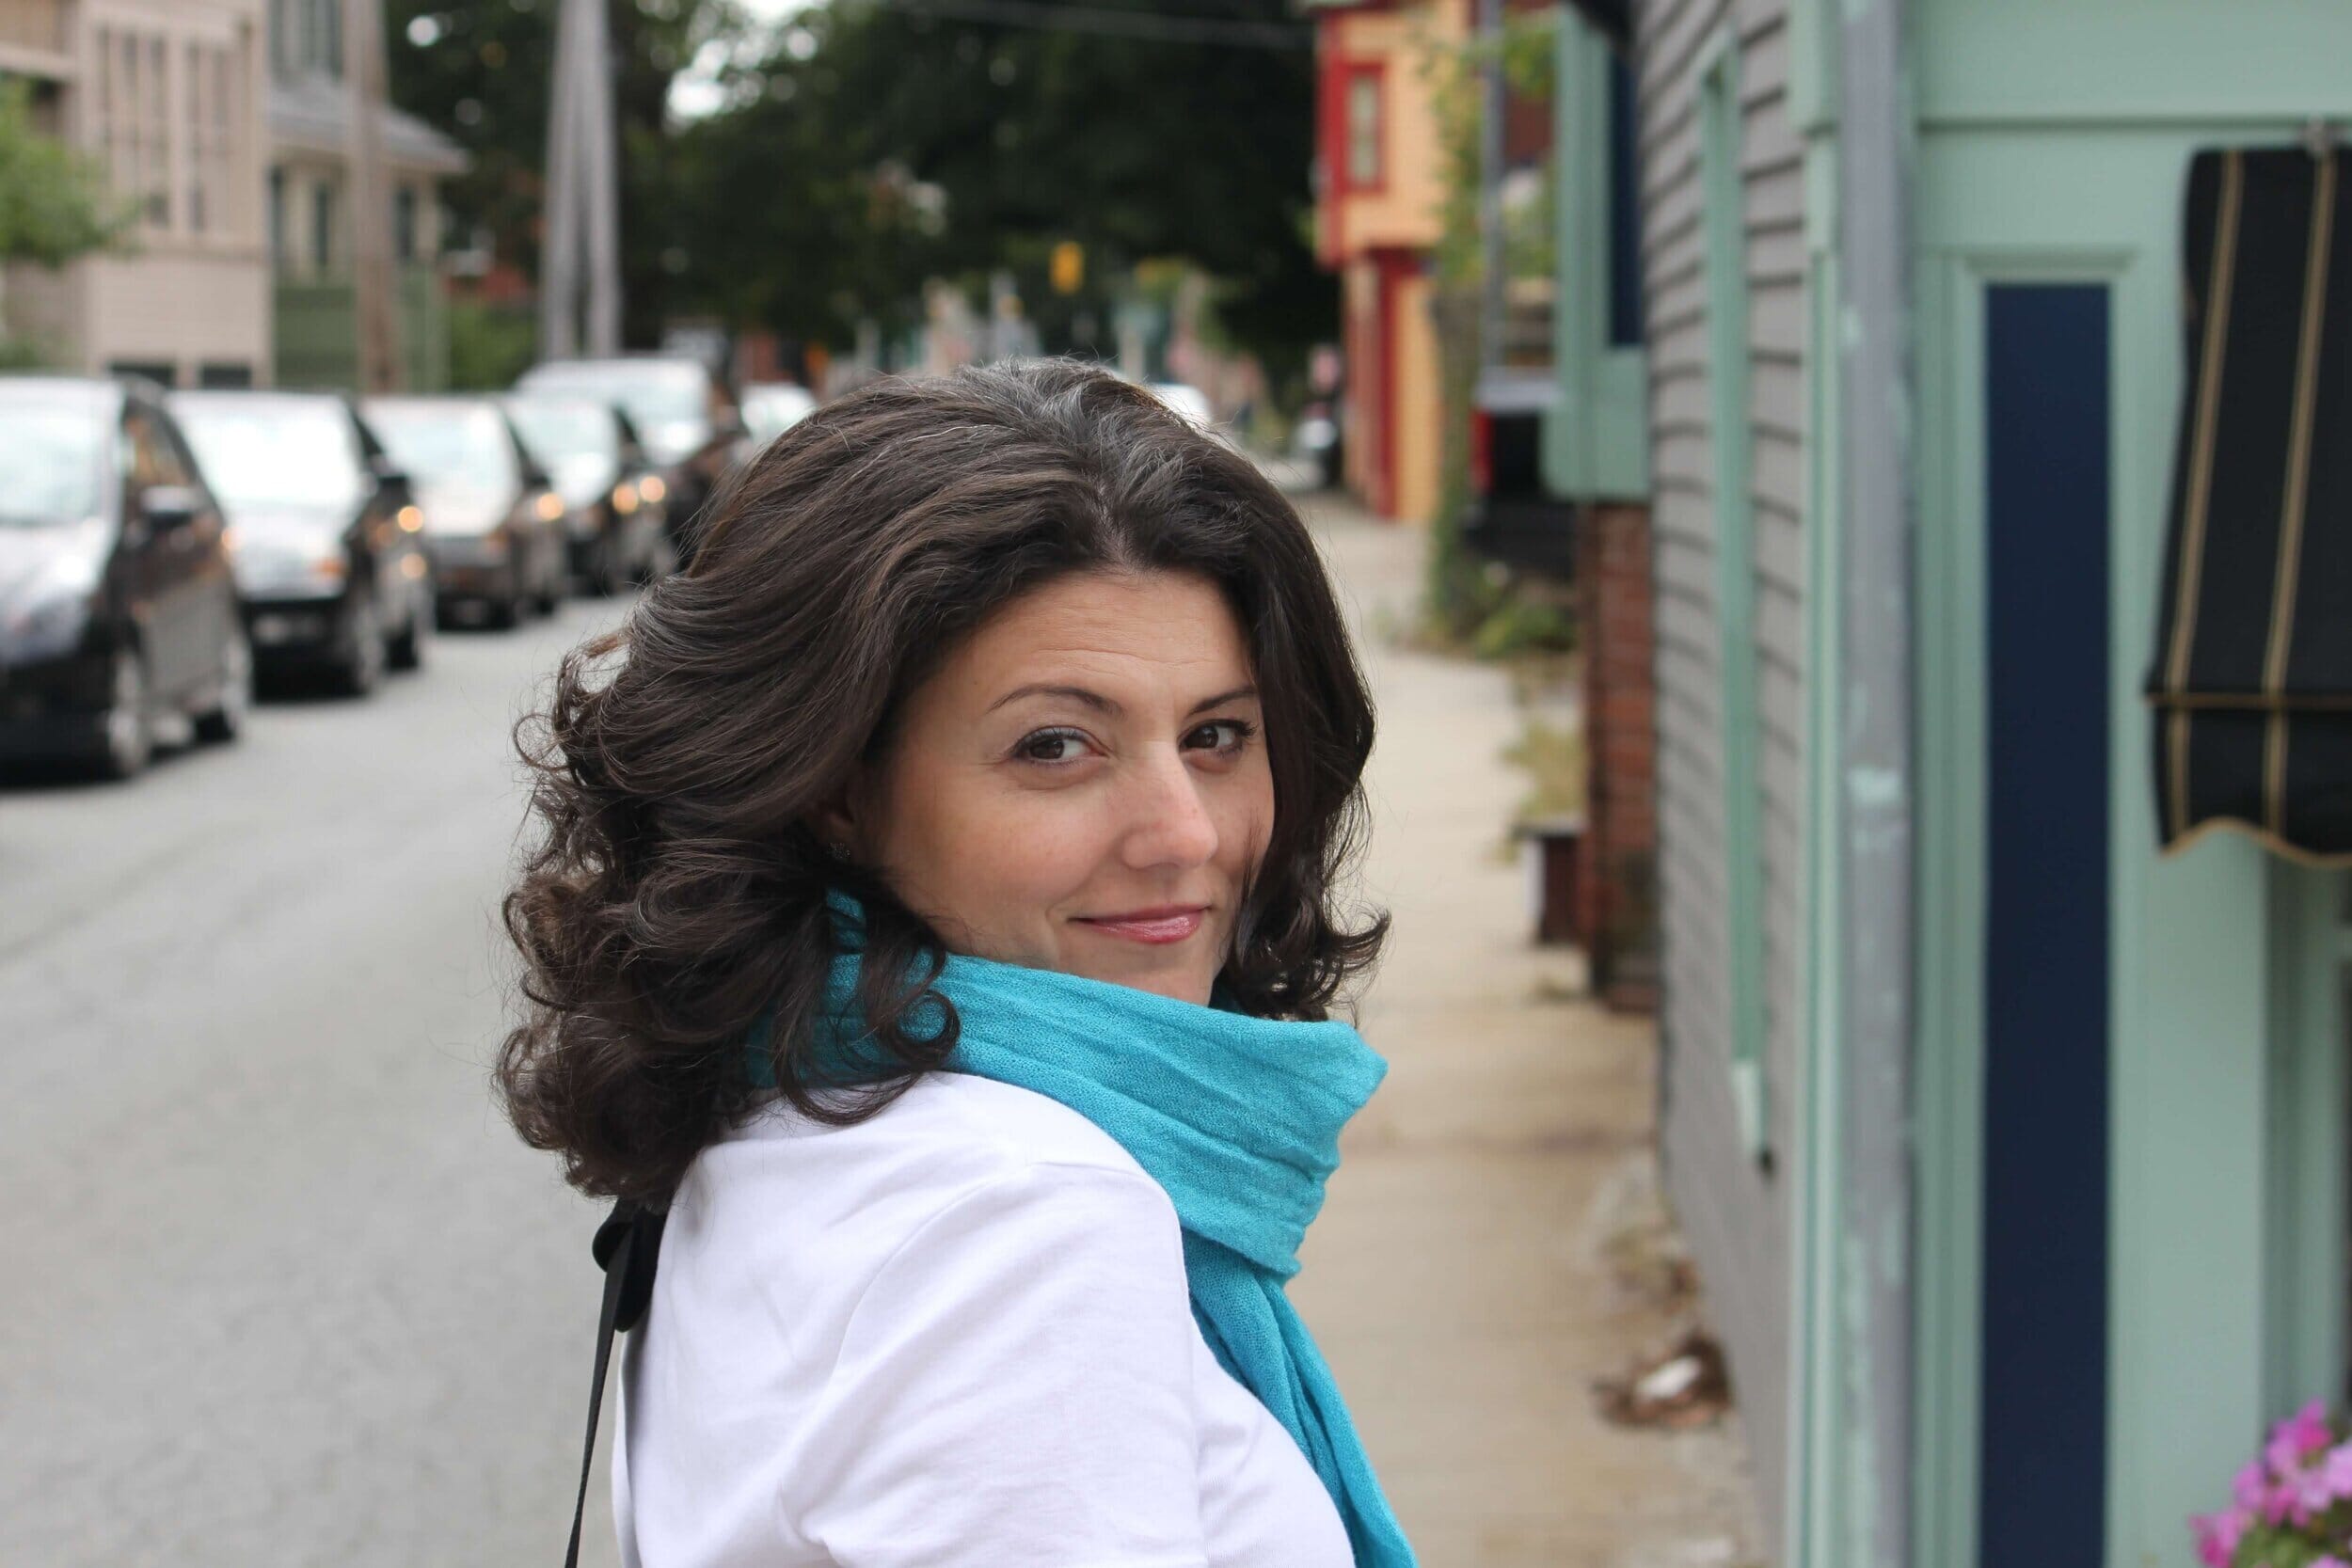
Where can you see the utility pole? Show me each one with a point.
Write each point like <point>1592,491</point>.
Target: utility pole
<point>371,197</point>
<point>1494,100</point>
<point>584,192</point>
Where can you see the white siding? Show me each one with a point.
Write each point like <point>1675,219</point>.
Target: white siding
<point>1734,1210</point>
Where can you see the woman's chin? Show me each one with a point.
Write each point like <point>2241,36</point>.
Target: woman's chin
<point>1179,982</point>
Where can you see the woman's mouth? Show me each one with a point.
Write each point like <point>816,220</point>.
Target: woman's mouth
<point>1156,926</point>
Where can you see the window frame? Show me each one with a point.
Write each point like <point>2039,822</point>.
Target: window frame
<point>1723,189</point>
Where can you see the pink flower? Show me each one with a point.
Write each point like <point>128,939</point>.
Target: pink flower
<point>2301,1433</point>
<point>2337,1470</point>
<point>2330,1560</point>
<point>2252,1485</point>
<point>2217,1535</point>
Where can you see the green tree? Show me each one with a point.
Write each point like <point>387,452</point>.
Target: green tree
<point>481,72</point>
<point>53,204</point>
<point>1136,147</point>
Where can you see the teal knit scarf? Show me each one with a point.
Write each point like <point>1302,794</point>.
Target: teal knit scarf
<point>1237,1118</point>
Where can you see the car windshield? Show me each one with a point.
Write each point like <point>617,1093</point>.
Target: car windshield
<point>653,391</point>
<point>446,443</point>
<point>557,428</point>
<point>265,452</point>
<point>55,460</point>
<point>775,410</point>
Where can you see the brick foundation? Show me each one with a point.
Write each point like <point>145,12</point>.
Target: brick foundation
<point>1619,885</point>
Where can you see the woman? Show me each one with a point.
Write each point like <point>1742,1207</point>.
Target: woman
<point>936,914</point>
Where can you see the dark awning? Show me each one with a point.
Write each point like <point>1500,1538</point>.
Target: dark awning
<point>2252,673</point>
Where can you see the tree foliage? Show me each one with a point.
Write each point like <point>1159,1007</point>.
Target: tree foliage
<point>1133,147</point>
<point>53,200</point>
<point>876,147</point>
<point>481,73</point>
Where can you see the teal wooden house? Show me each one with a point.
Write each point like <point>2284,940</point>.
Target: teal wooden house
<point>1994,407</point>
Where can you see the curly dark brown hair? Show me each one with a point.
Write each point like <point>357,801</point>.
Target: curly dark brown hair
<point>678,891</point>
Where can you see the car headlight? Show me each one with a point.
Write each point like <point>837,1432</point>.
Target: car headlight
<point>51,612</point>
<point>624,497</point>
<point>650,488</point>
<point>46,622</point>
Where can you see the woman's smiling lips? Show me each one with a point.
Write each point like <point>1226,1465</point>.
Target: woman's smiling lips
<point>1157,927</point>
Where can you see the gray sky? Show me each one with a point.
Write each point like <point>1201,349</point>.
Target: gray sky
<point>695,92</point>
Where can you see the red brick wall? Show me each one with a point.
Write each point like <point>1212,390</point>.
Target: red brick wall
<point>1615,604</point>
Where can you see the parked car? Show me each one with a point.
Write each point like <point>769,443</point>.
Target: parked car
<point>493,520</point>
<point>614,505</point>
<point>119,619</point>
<point>1315,439</point>
<point>324,532</point>
<point>690,426</point>
<point>772,407</point>
<point>1189,401</point>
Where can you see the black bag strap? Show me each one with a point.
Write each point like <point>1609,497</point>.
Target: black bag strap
<point>626,1246</point>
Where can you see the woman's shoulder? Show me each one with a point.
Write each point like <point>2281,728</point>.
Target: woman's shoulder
<point>947,1133</point>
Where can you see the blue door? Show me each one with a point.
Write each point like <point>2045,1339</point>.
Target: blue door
<point>2043,1466</point>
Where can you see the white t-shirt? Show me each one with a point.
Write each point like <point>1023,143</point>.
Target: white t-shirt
<point>953,1336</point>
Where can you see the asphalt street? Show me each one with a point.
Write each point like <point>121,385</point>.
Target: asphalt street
<point>279,1286</point>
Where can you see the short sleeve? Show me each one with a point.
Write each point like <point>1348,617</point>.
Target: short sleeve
<point>1015,1388</point>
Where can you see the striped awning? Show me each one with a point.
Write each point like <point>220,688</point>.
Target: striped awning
<point>2252,675</point>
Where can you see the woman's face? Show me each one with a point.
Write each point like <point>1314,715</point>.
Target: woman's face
<point>1082,786</point>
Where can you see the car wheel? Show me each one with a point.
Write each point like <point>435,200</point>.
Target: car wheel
<point>363,665</point>
<point>550,595</point>
<point>130,728</point>
<point>406,651</point>
<point>226,721</point>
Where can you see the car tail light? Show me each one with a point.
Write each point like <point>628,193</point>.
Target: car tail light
<point>1482,451</point>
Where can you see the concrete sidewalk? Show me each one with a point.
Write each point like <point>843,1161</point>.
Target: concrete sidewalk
<point>1465,1280</point>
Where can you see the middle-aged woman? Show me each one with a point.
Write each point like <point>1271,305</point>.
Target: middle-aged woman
<point>937,916</point>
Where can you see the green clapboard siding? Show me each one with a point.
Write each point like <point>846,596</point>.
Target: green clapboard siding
<point>318,338</point>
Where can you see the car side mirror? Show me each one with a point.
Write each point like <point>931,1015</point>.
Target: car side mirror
<point>537,478</point>
<point>165,507</point>
<point>389,474</point>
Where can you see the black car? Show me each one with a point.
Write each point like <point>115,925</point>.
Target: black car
<point>614,505</point>
<point>324,532</point>
<point>493,522</point>
<point>119,620</point>
<point>692,428</point>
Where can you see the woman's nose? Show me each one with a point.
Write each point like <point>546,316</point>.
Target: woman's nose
<point>1169,823</point>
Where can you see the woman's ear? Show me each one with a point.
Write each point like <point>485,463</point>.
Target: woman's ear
<point>835,823</point>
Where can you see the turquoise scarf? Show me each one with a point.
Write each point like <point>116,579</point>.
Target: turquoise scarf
<point>1237,1118</point>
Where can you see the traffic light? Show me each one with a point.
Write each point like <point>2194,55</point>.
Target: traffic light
<point>1069,268</point>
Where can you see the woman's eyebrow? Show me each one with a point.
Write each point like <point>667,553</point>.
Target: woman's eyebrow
<point>1222,698</point>
<point>1101,703</point>
<point>1094,700</point>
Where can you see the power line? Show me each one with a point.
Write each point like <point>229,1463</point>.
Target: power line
<point>1157,25</point>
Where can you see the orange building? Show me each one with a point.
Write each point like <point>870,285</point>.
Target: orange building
<point>1377,220</point>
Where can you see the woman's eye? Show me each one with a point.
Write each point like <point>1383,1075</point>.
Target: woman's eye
<point>1224,734</point>
<point>1050,746</point>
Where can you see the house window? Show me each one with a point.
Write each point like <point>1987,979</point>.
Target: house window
<point>405,224</point>
<point>278,218</point>
<point>200,173</point>
<point>1625,209</point>
<point>1724,228</point>
<point>1363,164</point>
<point>155,126</point>
<point>322,228</point>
